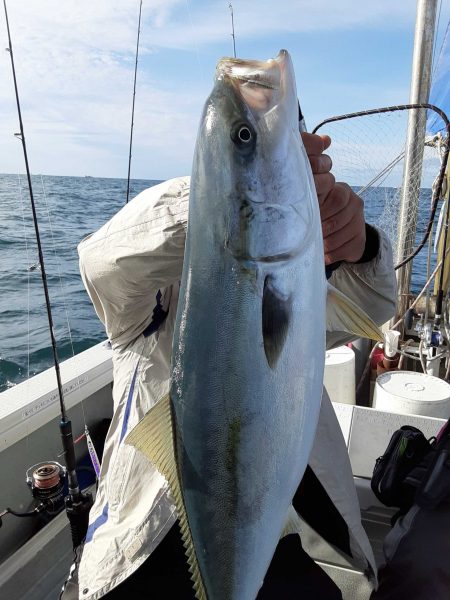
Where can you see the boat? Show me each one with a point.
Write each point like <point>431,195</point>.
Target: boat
<point>36,551</point>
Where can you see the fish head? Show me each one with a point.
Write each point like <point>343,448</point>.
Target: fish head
<point>260,187</point>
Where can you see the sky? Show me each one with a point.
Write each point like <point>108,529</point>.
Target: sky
<point>75,68</point>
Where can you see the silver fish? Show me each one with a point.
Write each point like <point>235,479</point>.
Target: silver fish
<point>234,435</point>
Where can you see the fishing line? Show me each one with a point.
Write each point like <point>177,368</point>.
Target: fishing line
<point>77,503</point>
<point>27,271</point>
<point>58,264</point>
<point>27,394</point>
<point>63,297</point>
<point>86,434</point>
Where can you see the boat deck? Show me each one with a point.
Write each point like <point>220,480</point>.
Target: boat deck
<point>33,567</point>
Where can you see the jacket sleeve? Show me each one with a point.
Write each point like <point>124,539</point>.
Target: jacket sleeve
<point>371,285</point>
<point>136,253</point>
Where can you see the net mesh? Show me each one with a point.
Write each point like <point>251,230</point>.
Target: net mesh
<point>370,153</point>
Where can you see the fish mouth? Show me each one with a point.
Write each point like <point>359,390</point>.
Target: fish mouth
<point>284,257</point>
<point>266,74</point>
<point>267,223</point>
<point>261,84</point>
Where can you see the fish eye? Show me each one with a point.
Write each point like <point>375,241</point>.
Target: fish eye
<point>244,137</point>
<point>244,134</point>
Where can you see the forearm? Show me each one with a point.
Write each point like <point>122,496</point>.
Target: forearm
<point>371,284</point>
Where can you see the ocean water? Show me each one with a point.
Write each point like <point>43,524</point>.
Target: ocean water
<point>69,208</point>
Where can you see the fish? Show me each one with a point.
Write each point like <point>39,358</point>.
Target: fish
<point>234,434</point>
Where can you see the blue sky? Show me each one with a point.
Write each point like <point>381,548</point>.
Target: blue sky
<point>75,62</point>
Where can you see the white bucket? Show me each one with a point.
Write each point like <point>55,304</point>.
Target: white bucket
<point>339,375</point>
<point>410,393</point>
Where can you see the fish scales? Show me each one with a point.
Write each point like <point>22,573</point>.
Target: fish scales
<point>248,351</point>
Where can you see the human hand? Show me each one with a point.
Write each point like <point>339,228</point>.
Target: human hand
<point>341,210</point>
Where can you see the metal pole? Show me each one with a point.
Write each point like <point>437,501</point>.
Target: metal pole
<point>412,172</point>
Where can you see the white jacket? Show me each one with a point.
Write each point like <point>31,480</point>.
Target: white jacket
<point>123,266</point>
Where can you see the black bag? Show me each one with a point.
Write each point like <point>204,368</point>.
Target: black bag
<point>417,548</point>
<point>435,483</point>
<point>399,472</point>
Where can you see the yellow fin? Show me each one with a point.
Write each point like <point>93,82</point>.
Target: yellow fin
<point>153,436</point>
<point>293,522</point>
<point>344,315</point>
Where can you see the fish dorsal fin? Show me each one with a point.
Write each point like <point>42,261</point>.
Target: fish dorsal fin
<point>276,315</point>
<point>293,523</point>
<point>344,315</point>
<point>154,437</point>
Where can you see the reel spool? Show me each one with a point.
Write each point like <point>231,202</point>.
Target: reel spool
<point>46,481</point>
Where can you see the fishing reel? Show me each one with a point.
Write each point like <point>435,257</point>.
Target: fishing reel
<point>432,348</point>
<point>432,336</point>
<point>46,482</point>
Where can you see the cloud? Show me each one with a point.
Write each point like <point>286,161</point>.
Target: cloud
<point>75,67</point>
<point>258,19</point>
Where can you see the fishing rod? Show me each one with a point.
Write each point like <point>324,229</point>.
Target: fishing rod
<point>134,97</point>
<point>230,6</point>
<point>77,503</point>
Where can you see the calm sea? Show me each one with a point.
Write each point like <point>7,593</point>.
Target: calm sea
<point>69,208</point>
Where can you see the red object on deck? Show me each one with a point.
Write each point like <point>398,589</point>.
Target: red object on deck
<point>377,356</point>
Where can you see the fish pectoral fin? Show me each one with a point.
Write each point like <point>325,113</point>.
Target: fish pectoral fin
<point>344,315</point>
<point>153,436</point>
<point>293,522</point>
<point>276,316</point>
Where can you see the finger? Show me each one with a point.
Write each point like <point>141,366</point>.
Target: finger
<point>338,221</point>
<point>326,141</point>
<point>314,144</point>
<point>343,226</point>
<point>320,164</point>
<point>325,183</point>
<point>340,233</point>
<point>338,198</point>
<point>350,251</point>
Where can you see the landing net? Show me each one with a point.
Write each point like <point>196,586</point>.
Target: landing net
<point>369,152</point>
